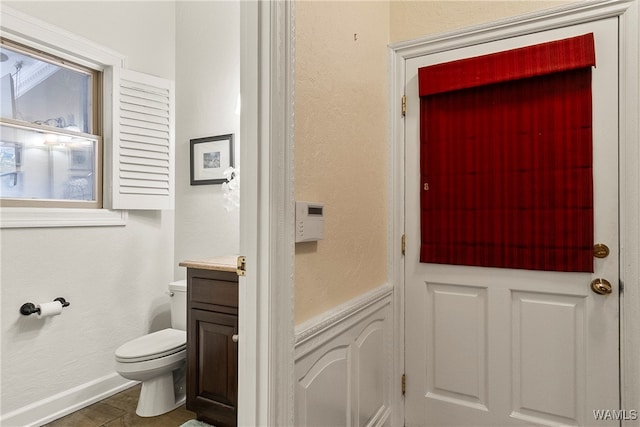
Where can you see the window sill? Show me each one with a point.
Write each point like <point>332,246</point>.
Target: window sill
<point>60,217</point>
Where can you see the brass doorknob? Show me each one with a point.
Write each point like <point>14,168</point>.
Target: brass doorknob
<point>601,286</point>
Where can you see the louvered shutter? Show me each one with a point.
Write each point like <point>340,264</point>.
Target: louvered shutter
<point>139,141</point>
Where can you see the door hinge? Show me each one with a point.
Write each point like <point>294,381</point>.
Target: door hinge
<point>241,266</point>
<point>404,105</point>
<point>404,243</point>
<point>404,384</point>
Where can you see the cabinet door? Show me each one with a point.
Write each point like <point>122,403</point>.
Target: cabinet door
<point>212,367</point>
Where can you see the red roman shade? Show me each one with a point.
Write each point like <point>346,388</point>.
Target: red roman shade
<point>530,61</point>
<point>506,159</point>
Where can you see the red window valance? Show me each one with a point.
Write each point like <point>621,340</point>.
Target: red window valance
<point>530,61</point>
<point>506,166</point>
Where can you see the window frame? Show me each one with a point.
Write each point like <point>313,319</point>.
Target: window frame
<point>95,130</point>
<point>41,36</point>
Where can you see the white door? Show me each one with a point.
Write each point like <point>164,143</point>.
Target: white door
<point>502,347</point>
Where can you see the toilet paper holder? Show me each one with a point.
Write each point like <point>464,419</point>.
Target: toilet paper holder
<point>29,308</point>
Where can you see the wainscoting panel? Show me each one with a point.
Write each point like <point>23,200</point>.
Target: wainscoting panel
<point>343,364</point>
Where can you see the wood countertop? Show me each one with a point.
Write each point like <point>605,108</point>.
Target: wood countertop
<point>219,263</point>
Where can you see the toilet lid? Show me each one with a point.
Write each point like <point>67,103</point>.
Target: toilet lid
<point>152,346</point>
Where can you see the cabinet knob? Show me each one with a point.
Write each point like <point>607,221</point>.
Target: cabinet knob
<point>234,338</point>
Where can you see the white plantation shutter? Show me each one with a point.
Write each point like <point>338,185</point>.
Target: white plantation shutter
<point>139,143</point>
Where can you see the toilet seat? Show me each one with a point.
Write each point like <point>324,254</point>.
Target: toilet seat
<point>152,346</point>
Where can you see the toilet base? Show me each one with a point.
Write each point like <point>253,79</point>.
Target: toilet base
<point>158,396</point>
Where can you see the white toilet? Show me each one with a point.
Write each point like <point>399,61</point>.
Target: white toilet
<point>158,360</point>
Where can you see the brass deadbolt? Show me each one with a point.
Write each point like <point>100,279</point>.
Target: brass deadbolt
<point>600,250</point>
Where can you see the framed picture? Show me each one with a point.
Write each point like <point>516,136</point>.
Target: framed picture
<point>210,157</point>
<point>81,158</point>
<point>8,159</point>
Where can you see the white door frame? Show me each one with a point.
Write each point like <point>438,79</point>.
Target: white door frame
<point>266,329</point>
<point>628,12</point>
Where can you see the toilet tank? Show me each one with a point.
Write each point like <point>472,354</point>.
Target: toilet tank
<point>178,292</point>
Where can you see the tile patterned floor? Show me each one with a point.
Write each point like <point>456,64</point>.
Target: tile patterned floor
<point>119,410</point>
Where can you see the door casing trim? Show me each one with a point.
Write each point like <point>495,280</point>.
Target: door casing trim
<point>266,346</point>
<point>628,13</point>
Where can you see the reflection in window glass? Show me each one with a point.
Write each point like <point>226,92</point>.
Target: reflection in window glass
<point>46,165</point>
<point>49,134</point>
<point>45,93</point>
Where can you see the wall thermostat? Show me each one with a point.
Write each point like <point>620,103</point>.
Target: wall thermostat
<point>309,221</point>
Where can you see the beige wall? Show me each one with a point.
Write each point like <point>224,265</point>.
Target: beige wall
<point>341,149</point>
<point>341,131</point>
<point>413,19</point>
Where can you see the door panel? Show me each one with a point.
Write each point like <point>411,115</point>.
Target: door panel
<point>457,344</point>
<point>502,347</point>
<point>548,384</point>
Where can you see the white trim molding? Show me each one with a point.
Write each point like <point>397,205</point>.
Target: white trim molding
<point>343,364</point>
<point>282,215</point>
<point>266,384</point>
<point>25,29</point>
<point>336,320</point>
<point>629,92</point>
<point>46,410</point>
<point>60,217</point>
<point>628,14</point>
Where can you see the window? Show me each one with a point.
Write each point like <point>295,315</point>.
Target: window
<point>119,121</point>
<point>50,130</point>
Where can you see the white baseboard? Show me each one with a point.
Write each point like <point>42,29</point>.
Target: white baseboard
<point>343,364</point>
<point>61,404</point>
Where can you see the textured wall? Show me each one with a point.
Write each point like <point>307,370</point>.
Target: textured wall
<point>341,130</point>
<point>114,277</point>
<point>341,149</point>
<point>207,90</point>
<point>413,19</point>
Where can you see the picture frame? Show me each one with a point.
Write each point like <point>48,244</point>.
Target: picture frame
<point>81,158</point>
<point>210,157</point>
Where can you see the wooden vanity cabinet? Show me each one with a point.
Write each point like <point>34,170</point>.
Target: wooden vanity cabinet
<point>212,353</point>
